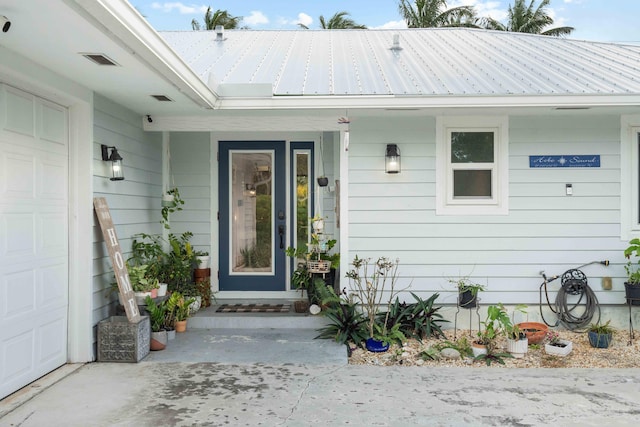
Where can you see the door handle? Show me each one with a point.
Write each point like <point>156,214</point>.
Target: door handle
<point>281,234</point>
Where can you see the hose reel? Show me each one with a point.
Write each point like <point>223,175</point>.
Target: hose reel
<point>573,282</point>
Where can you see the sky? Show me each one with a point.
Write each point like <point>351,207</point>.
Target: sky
<point>596,20</point>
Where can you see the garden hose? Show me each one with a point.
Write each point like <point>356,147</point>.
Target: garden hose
<point>574,282</point>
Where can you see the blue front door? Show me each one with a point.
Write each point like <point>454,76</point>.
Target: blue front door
<point>253,216</point>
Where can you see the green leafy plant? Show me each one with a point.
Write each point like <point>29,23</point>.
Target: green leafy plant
<point>465,285</point>
<point>633,269</point>
<point>171,206</point>
<point>601,328</point>
<point>491,356</point>
<point>462,345</point>
<point>171,306</point>
<point>140,279</point>
<point>431,353</point>
<point>156,314</point>
<point>346,324</point>
<point>180,263</point>
<point>388,335</point>
<point>322,294</point>
<point>182,307</point>
<point>418,320</point>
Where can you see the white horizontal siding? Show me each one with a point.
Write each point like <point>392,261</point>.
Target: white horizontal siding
<point>135,202</point>
<point>191,173</point>
<point>545,229</point>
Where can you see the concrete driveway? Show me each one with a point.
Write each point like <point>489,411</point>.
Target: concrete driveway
<point>327,392</point>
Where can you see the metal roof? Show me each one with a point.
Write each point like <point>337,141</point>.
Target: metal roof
<point>426,62</point>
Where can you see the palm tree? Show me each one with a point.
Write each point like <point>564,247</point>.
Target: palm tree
<point>338,21</point>
<point>434,13</point>
<point>219,17</point>
<point>529,19</point>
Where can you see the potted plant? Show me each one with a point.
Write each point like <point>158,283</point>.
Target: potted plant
<point>535,331</point>
<point>556,346</point>
<point>323,181</point>
<point>517,342</point>
<point>600,335</point>
<point>300,280</point>
<point>157,318</point>
<point>171,202</point>
<point>370,283</point>
<point>496,324</point>
<point>467,292</point>
<point>143,284</point>
<point>632,285</point>
<point>171,305</point>
<point>183,311</point>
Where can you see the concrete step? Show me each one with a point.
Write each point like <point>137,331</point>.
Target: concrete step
<point>207,318</point>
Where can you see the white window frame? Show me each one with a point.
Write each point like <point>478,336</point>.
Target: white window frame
<point>498,203</point>
<point>629,176</point>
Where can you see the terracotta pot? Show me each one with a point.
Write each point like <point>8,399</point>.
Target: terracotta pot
<point>534,331</point>
<point>181,325</point>
<point>478,349</point>
<point>158,340</point>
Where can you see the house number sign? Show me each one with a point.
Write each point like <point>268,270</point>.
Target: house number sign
<point>119,266</point>
<point>567,161</point>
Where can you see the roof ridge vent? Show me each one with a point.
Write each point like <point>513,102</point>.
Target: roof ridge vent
<point>219,33</point>
<point>396,42</point>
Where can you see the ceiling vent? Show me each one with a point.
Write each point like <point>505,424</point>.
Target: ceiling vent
<point>99,59</point>
<point>162,98</point>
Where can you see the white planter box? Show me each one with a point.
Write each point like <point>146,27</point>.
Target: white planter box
<point>559,351</point>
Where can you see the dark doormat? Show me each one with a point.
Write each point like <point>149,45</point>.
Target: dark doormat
<point>254,308</point>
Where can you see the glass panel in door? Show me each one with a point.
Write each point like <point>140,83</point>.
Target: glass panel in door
<point>252,216</point>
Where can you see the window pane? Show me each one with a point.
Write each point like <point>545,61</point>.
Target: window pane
<point>302,199</point>
<point>471,147</point>
<point>251,206</point>
<point>472,183</point>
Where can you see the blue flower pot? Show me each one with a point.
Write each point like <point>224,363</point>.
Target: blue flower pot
<point>599,340</point>
<point>376,346</point>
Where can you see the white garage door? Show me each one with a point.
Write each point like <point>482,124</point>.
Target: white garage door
<point>33,237</point>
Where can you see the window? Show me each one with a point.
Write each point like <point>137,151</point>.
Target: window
<point>472,166</point>
<point>630,178</point>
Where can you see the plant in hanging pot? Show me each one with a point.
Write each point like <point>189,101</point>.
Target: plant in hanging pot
<point>600,335</point>
<point>323,181</point>
<point>556,346</point>
<point>632,285</point>
<point>171,202</point>
<point>467,292</point>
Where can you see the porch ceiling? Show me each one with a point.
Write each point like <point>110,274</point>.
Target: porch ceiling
<point>54,34</point>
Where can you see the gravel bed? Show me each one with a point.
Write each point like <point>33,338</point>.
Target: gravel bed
<point>619,354</point>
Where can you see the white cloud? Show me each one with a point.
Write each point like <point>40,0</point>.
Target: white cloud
<point>304,19</point>
<point>182,8</point>
<point>256,18</point>
<point>392,25</point>
<point>492,9</point>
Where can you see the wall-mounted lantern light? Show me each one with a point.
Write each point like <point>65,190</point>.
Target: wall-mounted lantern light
<point>392,159</point>
<point>115,158</point>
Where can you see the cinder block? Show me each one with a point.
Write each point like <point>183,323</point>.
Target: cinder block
<point>122,341</point>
